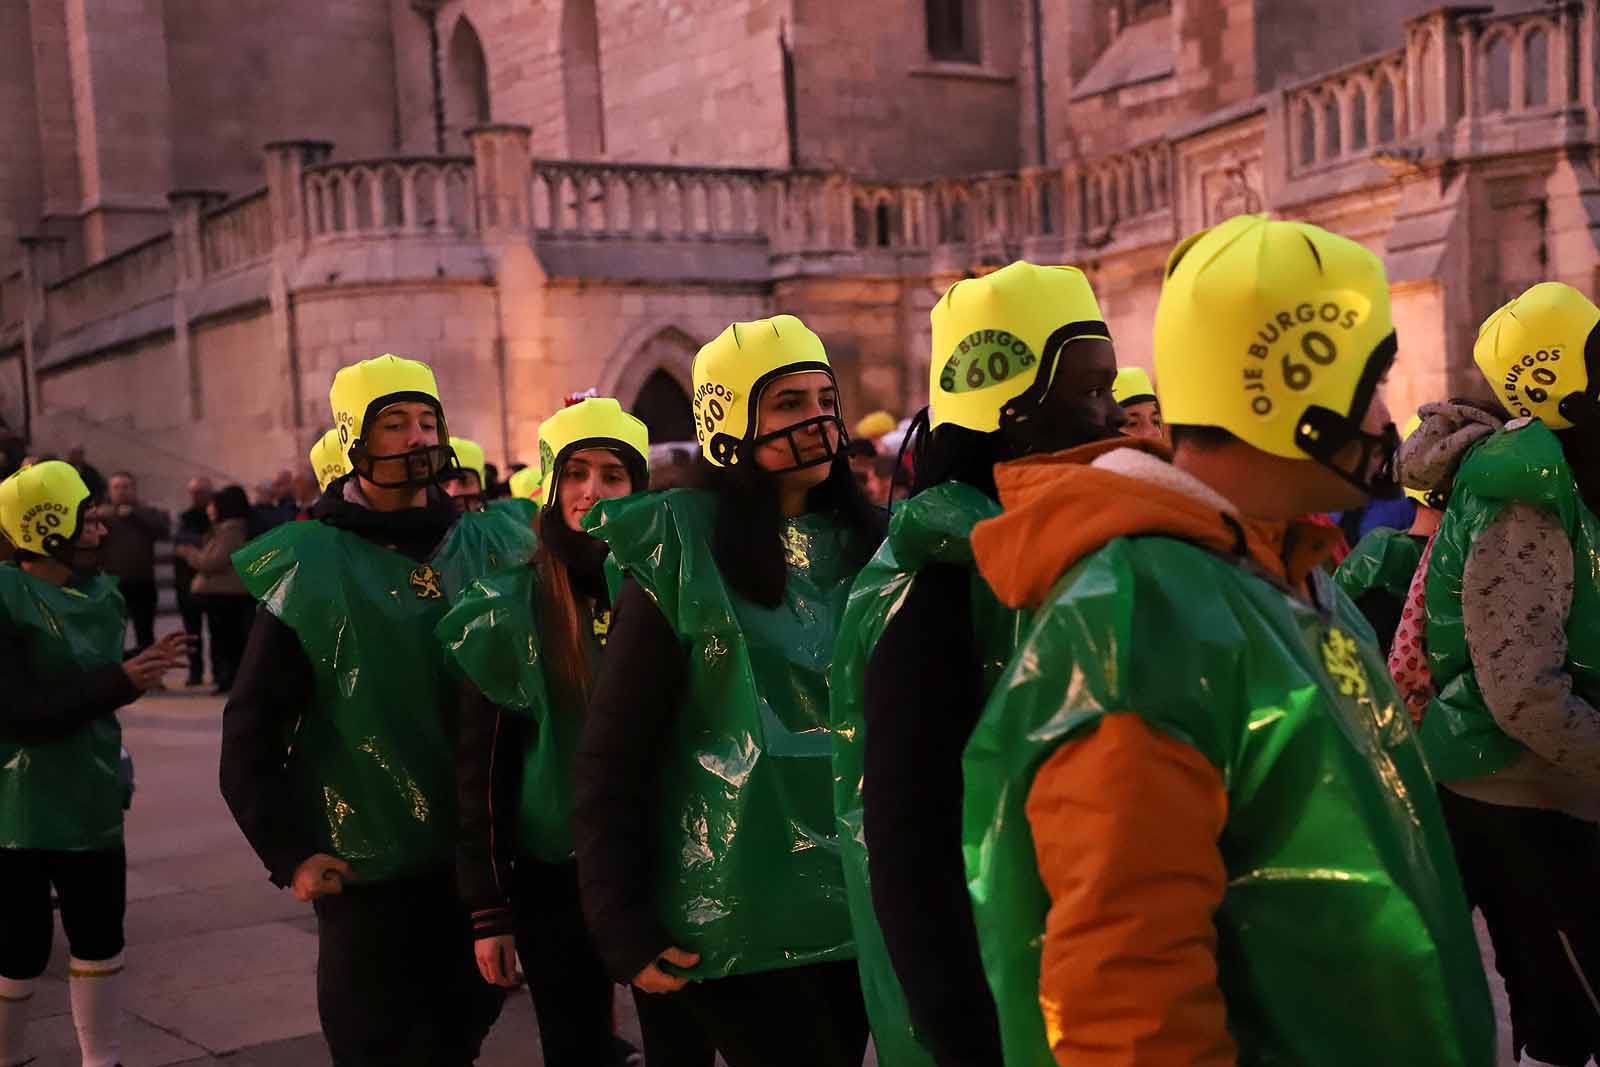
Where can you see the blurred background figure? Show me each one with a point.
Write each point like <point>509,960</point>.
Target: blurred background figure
<point>1132,389</point>
<point>228,605</point>
<point>193,525</point>
<point>92,478</point>
<point>128,550</point>
<point>466,483</point>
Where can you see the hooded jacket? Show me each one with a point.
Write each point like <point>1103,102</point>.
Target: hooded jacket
<point>1198,829</point>
<point>1515,592</point>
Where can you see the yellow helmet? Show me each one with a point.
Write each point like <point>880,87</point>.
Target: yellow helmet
<point>996,340</point>
<point>470,457</point>
<point>1279,333</point>
<point>731,371</point>
<point>1535,353</point>
<point>41,508</point>
<point>1132,386</point>
<point>875,424</point>
<point>328,460</point>
<point>1428,498</point>
<point>597,422</point>
<point>361,390</point>
<point>528,484</point>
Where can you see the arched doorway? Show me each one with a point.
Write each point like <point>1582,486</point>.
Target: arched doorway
<point>466,96</point>
<point>664,407</point>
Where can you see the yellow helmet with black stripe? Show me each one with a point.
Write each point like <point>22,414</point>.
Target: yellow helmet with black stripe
<point>361,391</point>
<point>729,374</point>
<point>1535,353</point>
<point>41,508</point>
<point>597,422</point>
<point>328,459</point>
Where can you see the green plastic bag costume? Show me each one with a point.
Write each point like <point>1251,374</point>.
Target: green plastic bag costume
<point>1385,559</point>
<point>1340,874</point>
<point>523,511</point>
<point>63,795</point>
<point>1517,465</point>
<point>492,635</point>
<point>748,871</point>
<point>932,527</point>
<point>372,768</point>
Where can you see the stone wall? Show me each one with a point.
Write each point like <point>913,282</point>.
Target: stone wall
<point>872,101</point>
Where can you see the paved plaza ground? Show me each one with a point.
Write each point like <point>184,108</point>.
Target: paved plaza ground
<point>220,963</point>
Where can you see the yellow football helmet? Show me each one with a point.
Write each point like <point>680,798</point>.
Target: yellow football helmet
<point>1279,333</point>
<point>997,339</point>
<point>361,390</point>
<point>470,457</point>
<point>1132,386</point>
<point>41,509</point>
<point>596,422</point>
<point>528,484</point>
<point>1535,353</point>
<point>328,459</point>
<point>731,371</point>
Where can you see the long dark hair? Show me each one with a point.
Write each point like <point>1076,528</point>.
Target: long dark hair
<point>747,542</point>
<point>568,563</point>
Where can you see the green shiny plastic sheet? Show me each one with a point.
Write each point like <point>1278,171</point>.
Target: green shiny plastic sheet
<point>1385,559</point>
<point>64,795</point>
<point>932,527</point>
<point>1343,936</point>
<point>748,871</point>
<point>371,765</point>
<point>1521,465</point>
<point>492,635</point>
<point>523,511</point>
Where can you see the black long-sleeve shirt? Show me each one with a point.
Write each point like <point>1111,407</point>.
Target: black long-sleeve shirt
<point>632,707</point>
<point>920,710</point>
<point>38,710</point>
<point>490,743</point>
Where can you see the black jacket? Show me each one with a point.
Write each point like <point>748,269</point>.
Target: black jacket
<point>920,710</point>
<point>275,686</point>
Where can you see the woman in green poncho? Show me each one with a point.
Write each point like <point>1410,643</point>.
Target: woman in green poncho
<point>529,640</point>
<point>61,791</point>
<point>707,856</point>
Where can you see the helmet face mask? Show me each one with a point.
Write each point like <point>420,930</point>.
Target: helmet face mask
<point>425,466</point>
<point>1322,433</point>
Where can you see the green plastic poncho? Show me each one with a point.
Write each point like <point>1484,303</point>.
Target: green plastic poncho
<point>371,765</point>
<point>523,511</point>
<point>1516,465</point>
<point>1385,559</point>
<point>932,527</point>
<point>492,635</point>
<point>748,859</point>
<point>64,795</point>
<point>1343,936</point>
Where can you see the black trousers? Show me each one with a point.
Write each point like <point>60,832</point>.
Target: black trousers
<point>801,1017</point>
<point>397,984</point>
<point>672,1035</point>
<point>231,618</point>
<point>93,890</point>
<point>192,608</point>
<point>1533,873</point>
<point>140,594</point>
<point>572,994</point>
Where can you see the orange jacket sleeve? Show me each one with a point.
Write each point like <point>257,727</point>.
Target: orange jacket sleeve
<point>1125,825</point>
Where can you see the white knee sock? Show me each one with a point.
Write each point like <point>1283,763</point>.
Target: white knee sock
<point>16,995</point>
<point>96,987</point>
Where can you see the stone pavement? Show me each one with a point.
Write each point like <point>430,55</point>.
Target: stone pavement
<point>220,963</point>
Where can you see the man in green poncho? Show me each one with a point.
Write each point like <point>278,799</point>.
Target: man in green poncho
<point>1197,825</point>
<point>336,752</point>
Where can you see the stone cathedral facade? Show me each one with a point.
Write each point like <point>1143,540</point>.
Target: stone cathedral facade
<point>207,207</point>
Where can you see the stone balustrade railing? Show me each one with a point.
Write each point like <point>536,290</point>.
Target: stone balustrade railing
<point>236,233</point>
<point>615,200</point>
<point>1348,114</point>
<point>1126,187</point>
<point>1514,64</point>
<point>389,197</point>
<point>135,276</point>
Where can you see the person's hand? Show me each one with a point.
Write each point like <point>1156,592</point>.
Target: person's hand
<point>169,653</point>
<point>124,510</point>
<point>320,875</point>
<point>497,960</point>
<point>654,980</point>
